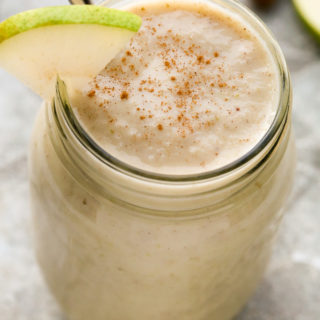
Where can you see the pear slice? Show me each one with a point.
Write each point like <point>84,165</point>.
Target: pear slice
<point>309,11</point>
<point>75,42</point>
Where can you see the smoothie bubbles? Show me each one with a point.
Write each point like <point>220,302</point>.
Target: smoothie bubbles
<point>161,163</point>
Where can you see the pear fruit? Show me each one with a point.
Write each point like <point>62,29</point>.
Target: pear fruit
<point>76,42</point>
<point>309,12</point>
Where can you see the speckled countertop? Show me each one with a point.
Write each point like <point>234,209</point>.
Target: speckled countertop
<point>291,287</point>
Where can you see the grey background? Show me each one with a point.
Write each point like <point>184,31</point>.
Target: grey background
<point>291,287</point>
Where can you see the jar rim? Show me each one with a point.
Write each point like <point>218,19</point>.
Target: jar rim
<point>277,124</point>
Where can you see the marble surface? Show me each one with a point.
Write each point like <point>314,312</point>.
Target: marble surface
<point>291,287</point>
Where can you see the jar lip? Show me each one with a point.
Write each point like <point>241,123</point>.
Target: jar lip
<point>106,158</point>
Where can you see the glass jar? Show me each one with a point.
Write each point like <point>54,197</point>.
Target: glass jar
<point>116,242</point>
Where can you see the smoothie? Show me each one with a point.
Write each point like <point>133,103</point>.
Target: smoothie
<point>195,90</point>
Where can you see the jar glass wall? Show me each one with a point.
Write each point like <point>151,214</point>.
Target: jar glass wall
<point>118,243</point>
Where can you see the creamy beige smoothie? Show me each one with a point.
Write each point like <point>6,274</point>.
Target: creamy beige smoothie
<point>195,90</point>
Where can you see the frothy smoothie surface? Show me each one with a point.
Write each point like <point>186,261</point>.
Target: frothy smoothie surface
<point>193,91</point>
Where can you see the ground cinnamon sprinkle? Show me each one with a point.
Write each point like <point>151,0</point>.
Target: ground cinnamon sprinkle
<point>167,64</point>
<point>160,127</point>
<point>216,54</point>
<point>128,53</point>
<point>124,95</point>
<point>200,59</point>
<point>91,93</point>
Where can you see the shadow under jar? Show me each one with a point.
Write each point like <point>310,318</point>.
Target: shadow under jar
<point>116,242</point>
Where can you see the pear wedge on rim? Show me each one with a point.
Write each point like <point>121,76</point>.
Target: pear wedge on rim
<point>309,12</point>
<point>76,42</point>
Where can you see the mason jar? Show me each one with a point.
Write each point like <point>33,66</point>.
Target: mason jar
<point>119,243</point>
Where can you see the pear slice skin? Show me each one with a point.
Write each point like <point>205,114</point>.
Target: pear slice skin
<point>309,12</point>
<point>75,42</point>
